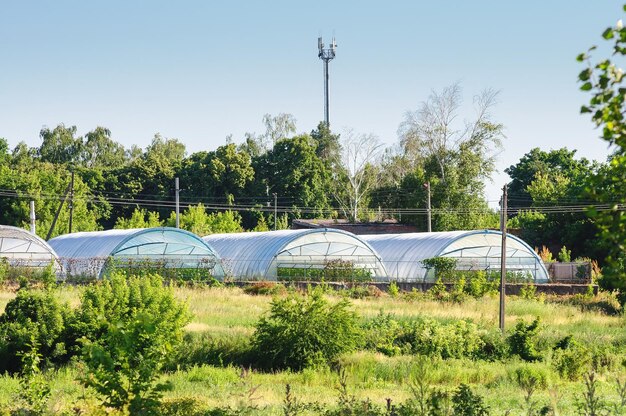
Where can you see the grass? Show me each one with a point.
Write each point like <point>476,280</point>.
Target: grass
<point>230,314</point>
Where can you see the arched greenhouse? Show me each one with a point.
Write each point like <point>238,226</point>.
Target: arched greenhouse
<point>166,250</point>
<point>20,248</point>
<point>298,255</point>
<point>403,254</point>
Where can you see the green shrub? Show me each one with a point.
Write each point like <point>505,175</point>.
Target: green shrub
<point>530,379</point>
<point>522,340</point>
<point>571,360</point>
<point>431,338</point>
<point>304,331</point>
<point>380,334</point>
<point>467,403</point>
<point>33,316</point>
<point>480,285</point>
<point>131,326</point>
<point>442,267</point>
<point>4,270</point>
<point>265,288</point>
<point>393,290</point>
<point>528,291</point>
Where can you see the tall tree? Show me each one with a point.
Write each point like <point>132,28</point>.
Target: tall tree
<point>100,151</point>
<point>60,145</point>
<point>604,80</point>
<point>358,161</point>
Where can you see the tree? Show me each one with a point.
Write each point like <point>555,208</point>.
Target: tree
<point>131,326</point>
<point>278,127</point>
<point>604,81</point>
<point>455,158</point>
<point>431,131</point>
<point>328,144</point>
<point>141,218</point>
<point>358,158</point>
<point>99,151</point>
<point>196,220</point>
<point>294,171</point>
<point>60,145</point>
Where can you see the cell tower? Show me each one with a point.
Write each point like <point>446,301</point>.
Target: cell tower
<point>326,55</point>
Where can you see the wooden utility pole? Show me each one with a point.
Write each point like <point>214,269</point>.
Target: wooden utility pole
<point>503,218</point>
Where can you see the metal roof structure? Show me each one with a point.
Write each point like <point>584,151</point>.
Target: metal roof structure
<point>258,255</point>
<point>21,248</point>
<point>474,250</point>
<point>86,253</point>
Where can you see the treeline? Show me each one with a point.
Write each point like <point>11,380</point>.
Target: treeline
<point>320,174</point>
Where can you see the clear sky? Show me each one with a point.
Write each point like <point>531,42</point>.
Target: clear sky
<point>200,70</point>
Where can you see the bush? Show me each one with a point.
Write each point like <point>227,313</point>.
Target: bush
<point>33,316</point>
<point>571,360</point>
<point>131,326</point>
<point>522,340</point>
<point>431,338</point>
<point>381,333</point>
<point>467,403</point>
<point>265,288</point>
<point>304,331</point>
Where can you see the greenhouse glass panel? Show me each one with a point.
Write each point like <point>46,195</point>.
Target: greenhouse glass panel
<point>21,248</point>
<point>403,254</point>
<point>266,255</point>
<point>90,253</point>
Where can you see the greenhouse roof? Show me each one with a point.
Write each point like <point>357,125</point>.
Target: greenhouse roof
<point>141,243</point>
<point>257,255</point>
<point>21,247</point>
<point>479,249</point>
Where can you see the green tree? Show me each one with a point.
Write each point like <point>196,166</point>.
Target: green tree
<point>604,81</point>
<point>100,151</point>
<point>293,170</point>
<point>141,218</point>
<point>60,145</point>
<point>196,220</point>
<point>138,323</point>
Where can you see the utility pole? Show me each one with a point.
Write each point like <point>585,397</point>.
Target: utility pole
<point>326,55</point>
<point>503,218</point>
<point>177,203</point>
<point>275,209</point>
<point>32,217</point>
<point>428,208</point>
<point>71,203</point>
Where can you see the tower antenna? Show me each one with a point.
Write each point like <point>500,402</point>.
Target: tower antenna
<point>326,55</point>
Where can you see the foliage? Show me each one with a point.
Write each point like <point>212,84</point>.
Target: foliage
<point>140,218</point>
<point>336,270</point>
<point>565,255</point>
<point>130,327</point>
<point>528,291</point>
<point>441,266</point>
<point>604,81</point>
<point>303,331</point>
<point>393,290</point>
<point>571,359</point>
<point>545,255</point>
<point>33,319</point>
<point>467,403</point>
<point>264,288</point>
<point>523,339</point>
<point>35,391</point>
<point>196,220</point>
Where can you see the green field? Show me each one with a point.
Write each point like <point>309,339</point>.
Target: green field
<point>227,316</point>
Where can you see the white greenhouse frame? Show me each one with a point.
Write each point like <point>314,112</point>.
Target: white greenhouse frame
<point>88,253</point>
<point>474,250</point>
<point>258,255</point>
<point>21,248</point>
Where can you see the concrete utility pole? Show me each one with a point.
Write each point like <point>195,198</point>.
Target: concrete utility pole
<point>275,209</point>
<point>32,217</point>
<point>326,55</point>
<point>503,218</point>
<point>71,203</point>
<point>428,208</point>
<point>176,183</point>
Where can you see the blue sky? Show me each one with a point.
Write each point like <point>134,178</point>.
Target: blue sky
<point>200,70</point>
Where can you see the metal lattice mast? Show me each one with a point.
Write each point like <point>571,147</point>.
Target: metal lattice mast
<point>326,55</point>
